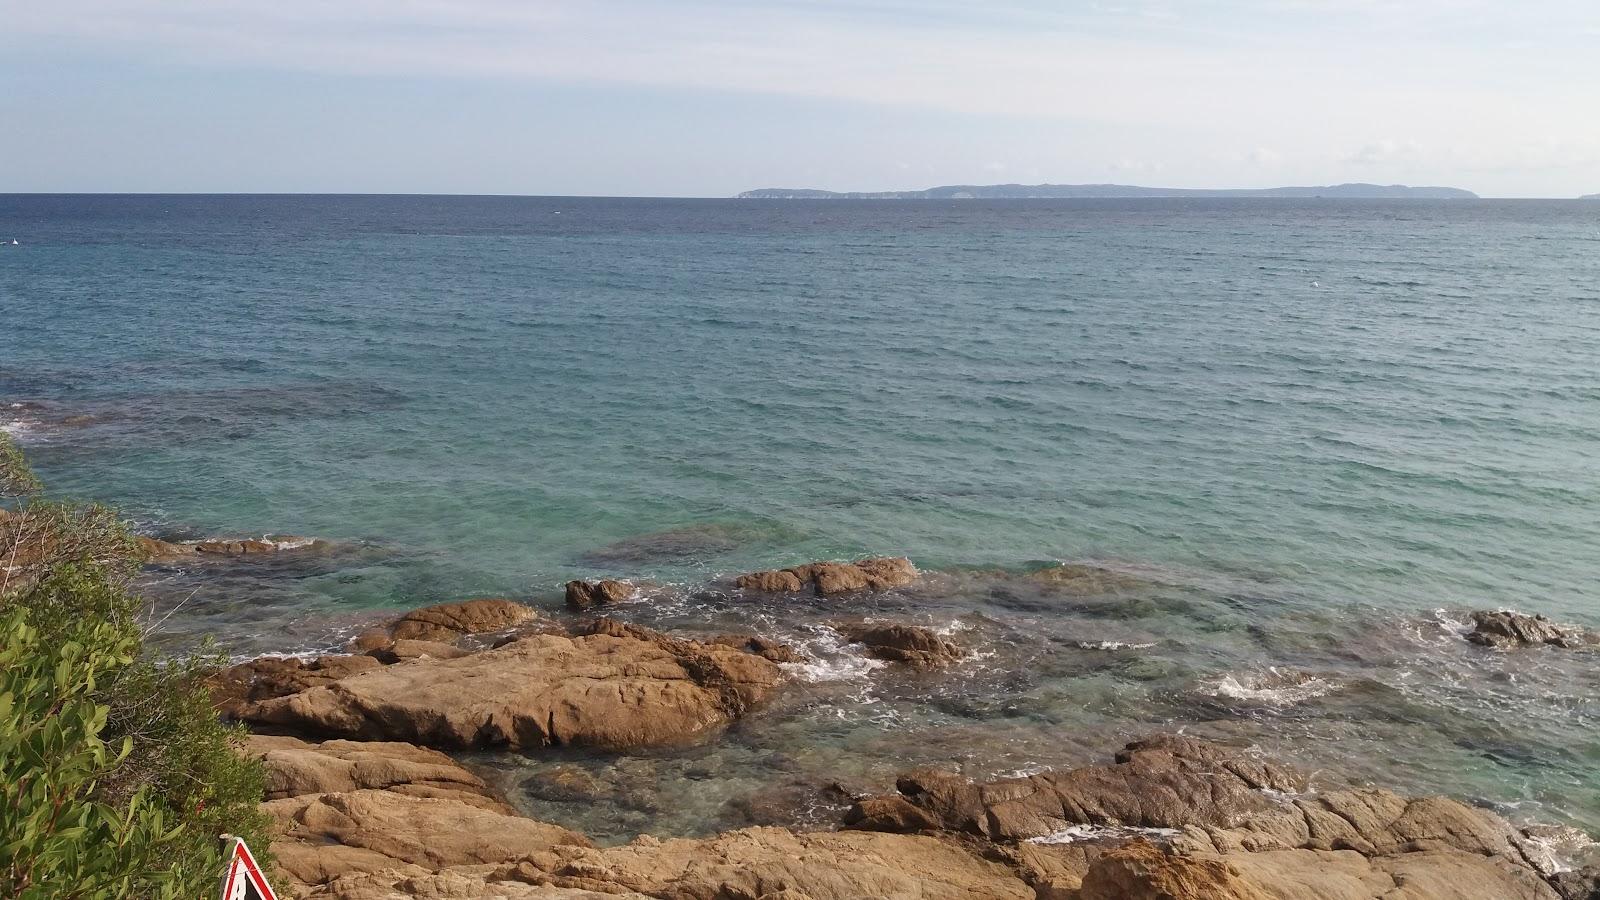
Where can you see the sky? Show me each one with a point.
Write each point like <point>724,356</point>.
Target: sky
<point>712,97</point>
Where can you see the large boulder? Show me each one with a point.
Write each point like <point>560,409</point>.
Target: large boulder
<point>617,687</point>
<point>1507,630</point>
<point>830,578</point>
<point>915,646</point>
<point>583,595</point>
<point>448,622</point>
<point>442,624</point>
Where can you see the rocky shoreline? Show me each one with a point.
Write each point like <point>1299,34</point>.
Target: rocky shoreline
<point>368,804</point>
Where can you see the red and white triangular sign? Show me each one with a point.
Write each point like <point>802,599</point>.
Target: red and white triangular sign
<point>242,880</point>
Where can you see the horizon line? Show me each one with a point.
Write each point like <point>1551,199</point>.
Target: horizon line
<point>4,193</point>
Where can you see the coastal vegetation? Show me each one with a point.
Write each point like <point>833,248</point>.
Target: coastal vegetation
<point>116,776</point>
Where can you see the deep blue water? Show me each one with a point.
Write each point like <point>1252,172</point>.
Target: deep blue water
<point>1319,420</point>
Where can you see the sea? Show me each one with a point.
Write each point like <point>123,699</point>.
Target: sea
<point>1287,446</point>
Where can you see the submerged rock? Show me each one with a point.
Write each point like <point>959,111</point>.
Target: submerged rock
<point>165,552</point>
<point>617,687</point>
<point>829,578</point>
<point>1084,580</point>
<point>1504,630</point>
<point>583,595</point>
<point>910,644</point>
<point>672,545</point>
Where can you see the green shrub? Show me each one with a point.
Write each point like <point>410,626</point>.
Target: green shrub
<point>116,776</point>
<point>16,479</point>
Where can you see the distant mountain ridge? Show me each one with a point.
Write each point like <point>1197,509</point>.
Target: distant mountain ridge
<point>1113,191</point>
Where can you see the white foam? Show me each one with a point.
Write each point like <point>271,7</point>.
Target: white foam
<point>1114,645</point>
<point>1273,687</point>
<point>831,658</point>
<point>1074,833</point>
<point>290,544</point>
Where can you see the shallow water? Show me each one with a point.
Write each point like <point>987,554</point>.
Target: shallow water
<point>1311,434</point>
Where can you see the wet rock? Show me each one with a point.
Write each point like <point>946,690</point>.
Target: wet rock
<point>448,622</point>
<point>895,815</point>
<point>159,552</point>
<point>615,687</point>
<point>1083,580</point>
<point>1167,781</point>
<point>760,646</point>
<point>239,687</point>
<point>1505,630</point>
<point>583,595</point>
<point>910,644</point>
<point>828,578</point>
<point>444,623</point>
<point>672,545</point>
<point>1577,884</point>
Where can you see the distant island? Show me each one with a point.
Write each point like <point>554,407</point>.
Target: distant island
<point>1114,191</point>
<point>1590,197</point>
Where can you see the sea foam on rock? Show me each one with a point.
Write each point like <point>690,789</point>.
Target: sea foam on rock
<point>1504,630</point>
<point>912,645</point>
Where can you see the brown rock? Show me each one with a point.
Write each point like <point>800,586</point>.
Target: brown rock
<point>321,837</point>
<point>760,646</point>
<point>781,581</point>
<point>618,687</point>
<point>915,646</point>
<point>1505,630</point>
<point>295,768</point>
<point>401,650</point>
<point>447,622</point>
<point>1141,871</point>
<point>238,687</point>
<point>828,578</point>
<point>582,595</point>
<point>1168,781</point>
<point>458,883</point>
<point>894,815</point>
<point>1083,580</point>
<point>775,864</point>
<point>163,551</point>
<point>246,547</point>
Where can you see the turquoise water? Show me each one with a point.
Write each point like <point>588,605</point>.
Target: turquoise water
<point>1307,425</point>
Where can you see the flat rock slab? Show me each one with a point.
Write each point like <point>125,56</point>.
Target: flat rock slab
<point>618,688</point>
